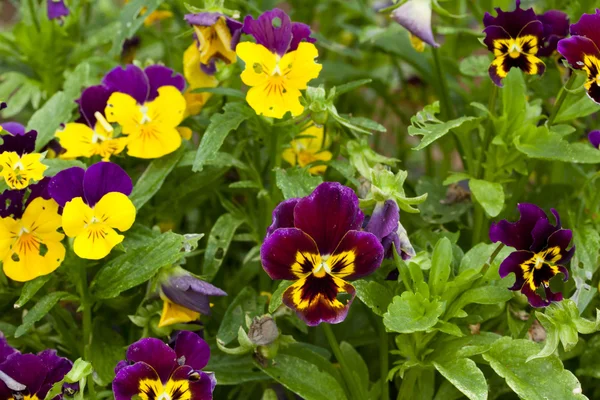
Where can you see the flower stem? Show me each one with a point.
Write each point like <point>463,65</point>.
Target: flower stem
<point>335,347</point>
<point>446,104</point>
<point>486,266</point>
<point>562,95</point>
<point>86,304</point>
<point>33,11</point>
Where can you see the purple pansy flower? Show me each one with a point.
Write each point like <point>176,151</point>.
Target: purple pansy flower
<point>31,376</point>
<point>15,129</point>
<point>385,224</point>
<point>275,31</point>
<point>57,9</point>
<point>154,370</point>
<point>594,138</point>
<point>582,51</point>
<point>316,241</point>
<point>541,252</point>
<point>556,27</point>
<point>514,37</point>
<point>6,350</point>
<point>415,16</point>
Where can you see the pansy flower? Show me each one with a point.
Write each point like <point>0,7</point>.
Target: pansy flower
<point>154,370</point>
<point>582,51</point>
<point>515,37</point>
<point>57,9</point>
<point>594,138</point>
<point>556,27</point>
<point>317,243</point>
<point>95,204</point>
<point>217,37</point>
<point>308,149</point>
<point>279,64</point>
<point>185,297</point>
<point>20,163</point>
<point>196,78</point>
<point>385,224</point>
<point>31,376</point>
<point>149,106</point>
<point>415,16</point>
<point>92,135</point>
<point>541,252</point>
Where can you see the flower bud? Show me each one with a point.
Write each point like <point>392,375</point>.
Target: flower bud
<point>263,330</point>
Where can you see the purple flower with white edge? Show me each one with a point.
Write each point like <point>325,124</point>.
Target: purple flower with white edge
<point>594,138</point>
<point>185,297</point>
<point>541,252</point>
<point>31,376</point>
<point>276,32</point>
<point>385,224</point>
<point>153,370</point>
<point>556,27</point>
<point>415,16</point>
<point>57,9</point>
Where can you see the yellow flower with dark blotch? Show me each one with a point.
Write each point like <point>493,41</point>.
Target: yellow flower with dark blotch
<point>308,149</point>
<point>20,164</point>
<point>275,82</point>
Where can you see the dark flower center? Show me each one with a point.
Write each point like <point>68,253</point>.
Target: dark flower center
<point>541,267</point>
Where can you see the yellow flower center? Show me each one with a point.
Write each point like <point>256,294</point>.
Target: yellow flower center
<point>172,390</point>
<point>322,268</point>
<point>515,50</point>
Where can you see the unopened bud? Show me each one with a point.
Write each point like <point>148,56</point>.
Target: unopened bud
<point>263,330</point>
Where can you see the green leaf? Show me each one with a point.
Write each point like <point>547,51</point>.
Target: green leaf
<point>39,311</point>
<point>357,125</point>
<point>139,265</point>
<point>218,129</point>
<point>106,350</point>
<point>475,66</point>
<point>80,370</point>
<point>55,165</point>
<point>304,379</point>
<point>375,295</point>
<point>350,86</point>
<point>130,20</point>
<point>436,209</point>
<point>539,142</point>
<point>30,289</point>
<point>426,124</point>
<point>440,266</point>
<point>464,374</point>
<point>245,303</point>
<point>479,295</point>
<point>358,368</point>
<point>552,337</point>
<point>296,182</point>
<point>234,370</point>
<point>276,298</point>
<point>50,116</point>
<point>489,195</point>
<point>346,169</point>
<point>412,313</point>
<point>514,101</point>
<point>539,379</point>
<point>367,124</point>
<point>223,91</point>
<point>577,104</point>
<point>153,177</point>
<point>219,240</point>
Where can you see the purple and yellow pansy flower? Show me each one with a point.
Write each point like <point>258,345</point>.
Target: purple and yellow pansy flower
<point>415,16</point>
<point>91,135</point>
<point>57,9</point>
<point>185,297</point>
<point>154,370</point>
<point>30,244</point>
<point>582,51</point>
<point>316,242</point>
<point>541,252</point>
<point>149,106</point>
<point>31,376</point>
<point>309,148</point>
<point>279,64</point>
<point>95,203</point>
<point>515,38</point>
<point>21,165</point>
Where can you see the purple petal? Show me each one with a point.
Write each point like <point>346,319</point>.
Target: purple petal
<point>300,33</point>
<point>13,128</point>
<point>201,385</point>
<point>235,28</point>
<point>192,350</point>
<point>562,239</point>
<point>272,29</point>
<point>594,138</point>
<point>540,234</point>
<point>26,369</point>
<point>66,185</point>
<point>493,33</point>
<point>3,105</point>
<point>105,177</point>
<point>535,300</point>
<point>511,21</point>
<point>156,354</point>
<point>588,26</point>
<point>384,220</point>
<point>130,80</point>
<point>159,76</point>
<point>210,68</point>
<point>39,189</point>
<point>5,392</point>
<point>57,9</point>
<point>5,349</point>
<point>57,368</point>
<point>11,204</point>
<point>120,365</point>
<point>415,16</point>
<point>281,251</point>
<point>93,100</point>
<point>360,254</point>
<point>127,382</point>
<point>21,144</point>
<point>191,292</point>
<point>575,48</point>
<point>518,234</point>
<point>283,215</point>
<point>399,239</point>
<point>327,214</point>
<point>202,19</point>
<point>512,264</point>
<point>556,27</point>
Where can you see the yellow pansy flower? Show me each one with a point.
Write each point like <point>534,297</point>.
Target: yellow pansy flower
<point>308,149</point>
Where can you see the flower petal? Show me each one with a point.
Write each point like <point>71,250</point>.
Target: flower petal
<point>283,215</point>
<point>130,80</point>
<point>190,292</point>
<point>193,348</point>
<point>14,128</point>
<point>511,21</point>
<point>156,354</point>
<point>115,210</point>
<point>128,382</point>
<point>199,385</point>
<point>518,234</point>
<point>272,29</point>
<point>159,76</point>
<point>588,26</point>
<point>57,9</point>
<point>415,16</point>
<point>105,177</point>
<point>93,100</point>
<point>203,18</point>
<point>575,48</point>
<point>96,241</point>
<point>25,369</point>
<point>259,63</point>
<point>20,144</point>
<point>289,254</point>
<point>556,27</point>
<point>302,66</point>
<point>512,264</point>
<point>384,220</point>
<point>12,203</point>
<point>67,185</point>
<point>359,254</point>
<point>172,313</point>
<point>124,110</point>
<point>76,139</point>
<point>57,368</point>
<point>76,216</point>
<point>561,239</point>
<point>327,214</point>
<point>168,108</point>
<point>300,33</point>
<point>594,138</point>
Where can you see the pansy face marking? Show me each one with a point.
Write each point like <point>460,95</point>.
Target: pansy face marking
<point>20,164</point>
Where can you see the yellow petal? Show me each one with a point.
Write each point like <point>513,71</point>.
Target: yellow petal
<point>9,229</point>
<point>96,241</point>
<point>27,262</point>
<point>115,210</point>
<point>289,155</point>
<point>76,139</point>
<point>274,103</point>
<point>162,141</point>
<point>76,215</point>
<point>41,217</point>
<point>215,42</point>
<point>19,171</point>
<point>313,140</point>
<point>300,66</point>
<point>168,108</point>
<point>194,75</point>
<point>123,109</point>
<point>259,61</point>
<point>175,314</point>
<point>156,16</point>
<point>320,156</point>
<point>185,132</point>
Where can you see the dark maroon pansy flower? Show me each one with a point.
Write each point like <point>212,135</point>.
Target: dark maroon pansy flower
<point>582,51</point>
<point>385,224</point>
<point>190,292</point>
<point>556,27</point>
<point>594,138</point>
<point>541,252</point>
<point>153,370</point>
<point>514,37</point>
<point>31,376</point>
<point>316,241</point>
<point>57,9</point>
<point>275,31</point>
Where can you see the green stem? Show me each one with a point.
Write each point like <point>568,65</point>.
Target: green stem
<point>33,12</point>
<point>87,304</point>
<point>384,360</point>
<point>447,112</point>
<point>335,347</point>
<point>486,266</point>
<point>562,95</point>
